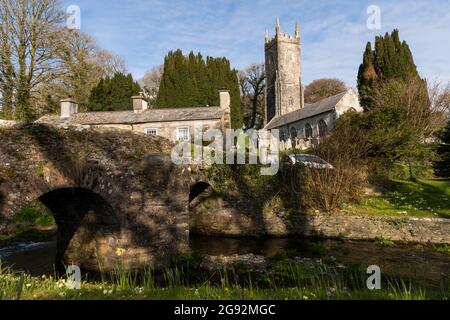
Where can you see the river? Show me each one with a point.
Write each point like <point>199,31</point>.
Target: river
<point>422,263</point>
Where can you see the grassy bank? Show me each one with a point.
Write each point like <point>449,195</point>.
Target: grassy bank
<point>33,223</point>
<point>422,198</point>
<point>288,279</point>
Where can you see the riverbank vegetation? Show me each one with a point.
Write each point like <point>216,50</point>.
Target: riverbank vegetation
<point>420,198</point>
<point>285,279</point>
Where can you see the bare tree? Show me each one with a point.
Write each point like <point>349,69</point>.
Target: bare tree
<point>323,88</point>
<point>83,64</point>
<point>151,81</point>
<point>439,94</point>
<point>252,82</point>
<point>29,31</point>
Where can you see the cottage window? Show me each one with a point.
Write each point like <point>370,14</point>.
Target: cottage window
<point>151,131</point>
<point>183,134</point>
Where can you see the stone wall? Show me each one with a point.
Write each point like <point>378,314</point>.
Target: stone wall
<point>108,190</point>
<point>212,215</point>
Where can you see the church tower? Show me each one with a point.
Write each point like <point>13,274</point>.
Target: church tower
<point>284,90</point>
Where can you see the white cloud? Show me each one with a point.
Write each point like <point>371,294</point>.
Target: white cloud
<point>334,32</point>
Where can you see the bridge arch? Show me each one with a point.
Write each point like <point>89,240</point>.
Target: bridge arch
<point>82,217</point>
<point>138,197</point>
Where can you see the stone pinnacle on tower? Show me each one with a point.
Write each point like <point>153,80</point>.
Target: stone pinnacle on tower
<point>278,29</point>
<point>267,36</point>
<point>297,30</point>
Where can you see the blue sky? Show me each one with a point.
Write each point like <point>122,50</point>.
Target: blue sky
<point>334,32</point>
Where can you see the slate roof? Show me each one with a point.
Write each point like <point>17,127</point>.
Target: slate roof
<point>310,110</point>
<point>130,117</point>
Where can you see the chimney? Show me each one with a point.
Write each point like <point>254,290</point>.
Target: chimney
<point>68,108</point>
<point>139,103</point>
<point>225,103</point>
<point>225,100</point>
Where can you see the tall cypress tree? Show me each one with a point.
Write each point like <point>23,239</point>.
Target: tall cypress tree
<point>190,81</point>
<point>391,59</point>
<point>114,94</point>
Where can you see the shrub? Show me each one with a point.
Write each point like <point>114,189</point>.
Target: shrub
<point>345,149</point>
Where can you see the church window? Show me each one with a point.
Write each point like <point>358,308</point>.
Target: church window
<point>293,133</point>
<point>282,135</point>
<point>308,131</point>
<point>323,128</point>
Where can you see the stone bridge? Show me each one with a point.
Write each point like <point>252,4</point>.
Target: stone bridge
<point>116,196</point>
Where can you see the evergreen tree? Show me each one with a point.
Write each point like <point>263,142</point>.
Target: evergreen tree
<point>390,60</point>
<point>442,166</point>
<point>114,94</point>
<point>190,81</point>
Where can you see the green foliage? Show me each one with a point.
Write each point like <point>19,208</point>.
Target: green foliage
<point>442,166</point>
<point>36,214</point>
<point>382,242</point>
<point>190,81</point>
<point>444,249</point>
<point>390,59</point>
<point>114,94</point>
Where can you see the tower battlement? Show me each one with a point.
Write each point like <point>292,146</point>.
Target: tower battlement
<point>283,72</point>
<point>282,36</point>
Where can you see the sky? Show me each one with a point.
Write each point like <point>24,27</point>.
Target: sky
<point>334,32</point>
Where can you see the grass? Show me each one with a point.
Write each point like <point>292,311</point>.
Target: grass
<point>33,223</point>
<point>36,215</point>
<point>288,280</point>
<point>422,198</point>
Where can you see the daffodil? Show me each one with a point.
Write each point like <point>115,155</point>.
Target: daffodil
<point>120,252</point>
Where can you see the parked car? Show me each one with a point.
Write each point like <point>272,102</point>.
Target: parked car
<point>308,160</point>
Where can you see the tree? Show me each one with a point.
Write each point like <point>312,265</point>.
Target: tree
<point>400,122</point>
<point>391,59</point>
<point>83,64</point>
<point>442,166</point>
<point>150,82</point>
<point>190,81</point>
<point>114,94</point>
<point>323,88</point>
<point>252,82</point>
<point>29,31</point>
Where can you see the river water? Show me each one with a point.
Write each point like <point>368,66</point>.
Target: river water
<point>406,261</point>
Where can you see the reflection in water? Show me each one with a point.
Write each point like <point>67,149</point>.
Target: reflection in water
<point>401,261</point>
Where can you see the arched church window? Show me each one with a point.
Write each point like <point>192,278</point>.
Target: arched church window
<point>308,131</point>
<point>323,128</point>
<point>282,135</point>
<point>293,133</point>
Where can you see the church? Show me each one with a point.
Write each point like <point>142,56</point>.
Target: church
<point>301,125</point>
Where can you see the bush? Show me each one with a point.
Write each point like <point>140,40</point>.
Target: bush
<point>345,149</point>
